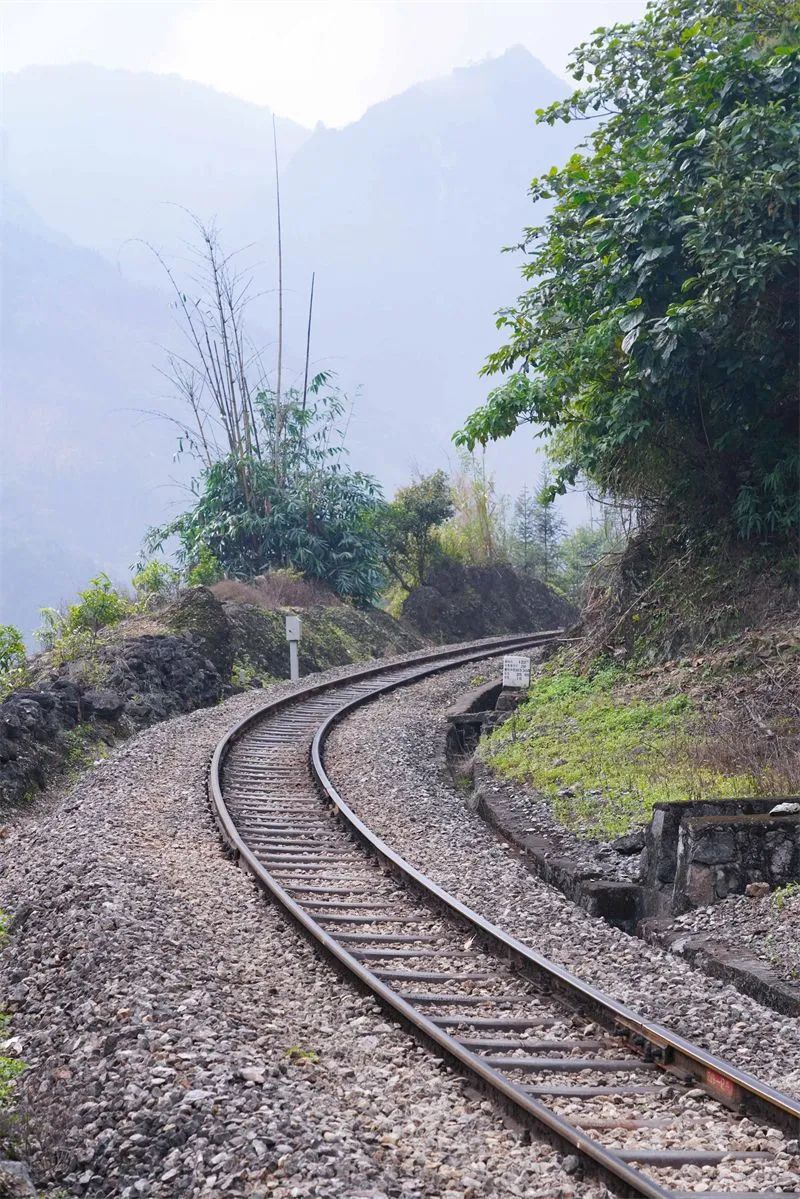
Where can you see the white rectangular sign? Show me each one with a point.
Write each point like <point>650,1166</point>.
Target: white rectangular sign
<point>292,628</point>
<point>516,671</point>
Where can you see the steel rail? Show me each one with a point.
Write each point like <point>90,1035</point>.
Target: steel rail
<point>689,1063</point>
<point>656,1043</point>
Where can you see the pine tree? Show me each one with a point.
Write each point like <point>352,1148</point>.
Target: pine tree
<point>524,532</point>
<point>548,530</point>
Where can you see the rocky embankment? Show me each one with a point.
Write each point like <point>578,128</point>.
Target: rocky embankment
<point>187,656</point>
<point>460,602</point>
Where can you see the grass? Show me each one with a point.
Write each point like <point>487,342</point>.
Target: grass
<point>82,747</point>
<point>302,1057</point>
<point>602,755</point>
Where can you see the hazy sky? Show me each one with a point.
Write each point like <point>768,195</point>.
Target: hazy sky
<point>312,60</point>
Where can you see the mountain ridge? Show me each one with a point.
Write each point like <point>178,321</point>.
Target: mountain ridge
<point>402,215</point>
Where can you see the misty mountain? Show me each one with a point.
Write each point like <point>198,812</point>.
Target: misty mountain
<point>83,467</point>
<point>105,156</point>
<point>402,215</point>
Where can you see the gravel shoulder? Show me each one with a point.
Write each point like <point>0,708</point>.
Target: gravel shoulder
<point>183,1040</point>
<point>768,927</point>
<point>388,761</point>
<point>532,813</point>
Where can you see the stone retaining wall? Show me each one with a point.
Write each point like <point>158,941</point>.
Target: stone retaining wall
<point>718,856</point>
<point>662,837</point>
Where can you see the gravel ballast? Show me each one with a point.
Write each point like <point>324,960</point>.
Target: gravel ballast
<point>767,926</point>
<point>388,761</point>
<point>184,1040</point>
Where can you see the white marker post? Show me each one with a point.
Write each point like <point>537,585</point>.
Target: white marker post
<point>516,671</point>
<point>293,628</point>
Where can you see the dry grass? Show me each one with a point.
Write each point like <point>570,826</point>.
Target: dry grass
<point>748,692</point>
<point>754,726</point>
<point>278,589</point>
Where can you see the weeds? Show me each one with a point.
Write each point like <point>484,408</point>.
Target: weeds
<point>302,1056</point>
<point>10,1067</point>
<point>277,589</point>
<point>781,896</point>
<point>245,673</point>
<point>81,747</point>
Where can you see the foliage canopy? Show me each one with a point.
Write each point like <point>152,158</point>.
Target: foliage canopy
<point>657,342</point>
<point>294,502</point>
<point>407,527</point>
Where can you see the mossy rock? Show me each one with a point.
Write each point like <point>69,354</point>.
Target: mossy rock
<point>332,635</point>
<point>200,617</point>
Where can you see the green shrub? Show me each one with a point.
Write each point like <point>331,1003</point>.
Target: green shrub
<point>100,605</point>
<point>13,660</point>
<point>156,580</point>
<point>12,648</point>
<point>206,569</point>
<point>72,634</point>
<point>782,895</point>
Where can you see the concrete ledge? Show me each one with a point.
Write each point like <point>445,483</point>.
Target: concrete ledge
<point>616,902</point>
<point>478,701</point>
<point>733,965</point>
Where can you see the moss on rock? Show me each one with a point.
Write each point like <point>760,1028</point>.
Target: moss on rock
<point>333,635</point>
<point>198,616</point>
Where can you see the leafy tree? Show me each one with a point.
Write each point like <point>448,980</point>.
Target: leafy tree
<point>302,506</point>
<point>274,488</point>
<point>657,342</point>
<point>477,533</point>
<point>407,527</point>
<point>581,551</point>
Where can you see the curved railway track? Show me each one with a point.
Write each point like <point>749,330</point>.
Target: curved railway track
<point>510,1019</point>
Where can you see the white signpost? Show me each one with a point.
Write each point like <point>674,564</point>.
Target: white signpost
<point>516,671</point>
<point>293,630</point>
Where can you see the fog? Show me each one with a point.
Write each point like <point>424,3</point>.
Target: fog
<point>402,212</point>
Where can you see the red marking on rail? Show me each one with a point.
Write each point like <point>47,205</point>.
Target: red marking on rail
<point>721,1084</point>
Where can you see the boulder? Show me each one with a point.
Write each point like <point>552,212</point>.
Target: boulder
<point>15,1180</point>
<point>199,616</point>
<point>106,705</point>
<point>631,843</point>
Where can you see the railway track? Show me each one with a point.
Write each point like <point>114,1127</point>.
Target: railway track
<point>553,1050</point>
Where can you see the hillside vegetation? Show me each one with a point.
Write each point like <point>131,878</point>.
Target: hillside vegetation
<point>657,343</point>
<point>603,744</point>
<point>656,347</point>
